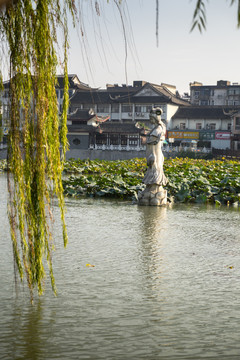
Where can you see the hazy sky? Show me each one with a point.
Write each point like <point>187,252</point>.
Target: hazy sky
<point>180,58</point>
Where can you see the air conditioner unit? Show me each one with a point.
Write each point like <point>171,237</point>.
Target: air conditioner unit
<point>129,114</point>
<point>138,114</point>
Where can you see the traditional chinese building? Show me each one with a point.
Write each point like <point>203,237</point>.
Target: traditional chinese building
<point>210,126</point>
<point>130,104</point>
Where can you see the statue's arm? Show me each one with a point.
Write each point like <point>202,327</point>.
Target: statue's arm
<point>156,135</point>
<point>153,140</point>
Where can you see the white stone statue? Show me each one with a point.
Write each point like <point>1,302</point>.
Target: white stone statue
<point>154,194</point>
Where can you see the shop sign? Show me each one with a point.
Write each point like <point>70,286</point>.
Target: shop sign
<point>183,134</point>
<point>207,135</point>
<point>222,135</point>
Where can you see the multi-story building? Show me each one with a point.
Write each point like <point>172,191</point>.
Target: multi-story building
<point>235,133</point>
<point>127,109</point>
<point>129,103</point>
<point>73,83</point>
<point>222,94</point>
<point>208,126</point>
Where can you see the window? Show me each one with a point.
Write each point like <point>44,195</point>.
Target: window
<point>115,108</point>
<point>229,126</point>
<point>114,139</point>
<point>204,102</point>
<point>212,126</point>
<point>196,94</point>
<point>70,92</point>
<point>148,108</point>
<point>143,108</point>
<point>237,123</point>
<point>124,140</point>
<point>76,141</point>
<point>232,92</point>
<point>182,126</point>
<point>138,108</point>
<point>101,139</point>
<point>163,107</point>
<point>61,93</point>
<point>103,108</point>
<point>198,126</point>
<point>133,140</point>
<point>126,108</point>
<point>205,92</point>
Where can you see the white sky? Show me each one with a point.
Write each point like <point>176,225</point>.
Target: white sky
<point>181,57</point>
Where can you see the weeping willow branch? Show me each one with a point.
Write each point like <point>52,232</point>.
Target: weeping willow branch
<point>30,30</point>
<point>199,16</point>
<point>238,10</point>
<point>157,20</point>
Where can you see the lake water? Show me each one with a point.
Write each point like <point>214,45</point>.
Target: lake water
<point>166,285</point>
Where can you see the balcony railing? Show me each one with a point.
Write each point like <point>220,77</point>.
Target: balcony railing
<point>117,147</point>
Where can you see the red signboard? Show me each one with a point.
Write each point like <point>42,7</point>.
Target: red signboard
<point>222,135</point>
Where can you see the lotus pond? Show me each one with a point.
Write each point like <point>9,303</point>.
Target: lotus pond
<point>190,180</point>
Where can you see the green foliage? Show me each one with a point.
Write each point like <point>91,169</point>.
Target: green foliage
<point>30,30</point>
<point>199,16</point>
<point>3,165</point>
<point>120,179</point>
<point>190,180</point>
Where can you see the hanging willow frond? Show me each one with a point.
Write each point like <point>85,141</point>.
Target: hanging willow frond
<point>157,20</point>
<point>199,16</point>
<point>36,132</point>
<point>238,10</point>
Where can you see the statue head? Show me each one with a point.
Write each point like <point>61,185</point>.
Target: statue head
<point>155,115</point>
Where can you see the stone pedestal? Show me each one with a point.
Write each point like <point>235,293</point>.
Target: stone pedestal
<point>153,195</point>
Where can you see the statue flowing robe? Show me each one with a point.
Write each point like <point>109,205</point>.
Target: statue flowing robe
<point>154,155</point>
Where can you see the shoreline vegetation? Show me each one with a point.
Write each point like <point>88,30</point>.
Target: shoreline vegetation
<point>189,180</point>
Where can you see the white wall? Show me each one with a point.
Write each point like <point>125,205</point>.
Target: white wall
<point>170,111</point>
<point>219,97</point>
<point>221,144</point>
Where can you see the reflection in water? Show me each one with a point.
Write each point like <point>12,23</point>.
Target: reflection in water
<point>153,223</point>
<point>26,323</point>
<point>165,286</point>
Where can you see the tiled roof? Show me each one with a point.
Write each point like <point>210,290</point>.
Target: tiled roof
<point>72,84</point>
<point>164,95</point>
<point>203,112</point>
<point>81,115</point>
<point>80,128</point>
<point>90,97</point>
<point>106,127</point>
<point>127,94</point>
<point>117,127</point>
